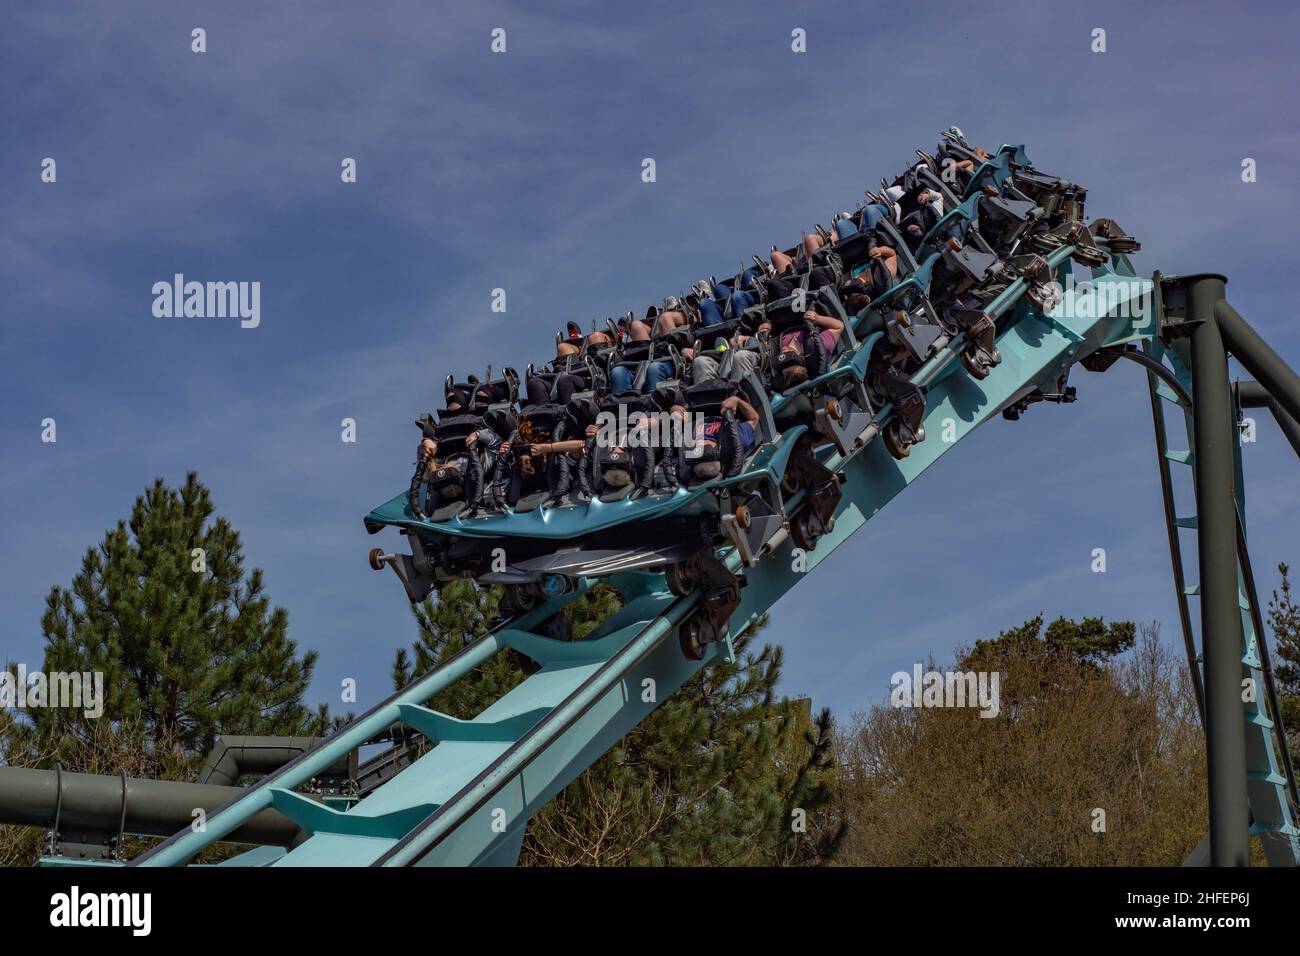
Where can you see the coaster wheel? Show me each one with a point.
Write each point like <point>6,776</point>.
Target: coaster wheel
<point>972,363</point>
<point>801,533</point>
<point>743,517</point>
<point>894,442</point>
<point>1090,256</point>
<point>695,635</point>
<point>683,579</point>
<point>376,559</point>
<point>519,598</point>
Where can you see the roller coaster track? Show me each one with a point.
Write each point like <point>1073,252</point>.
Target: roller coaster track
<point>467,799</point>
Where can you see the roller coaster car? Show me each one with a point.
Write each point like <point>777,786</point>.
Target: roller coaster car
<point>543,546</point>
<point>632,505</point>
<point>966,258</point>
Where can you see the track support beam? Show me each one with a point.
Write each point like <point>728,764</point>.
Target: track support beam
<point>1255,395</point>
<point>1259,358</point>
<point>1221,630</point>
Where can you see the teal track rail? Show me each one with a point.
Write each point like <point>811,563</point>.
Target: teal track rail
<point>468,799</point>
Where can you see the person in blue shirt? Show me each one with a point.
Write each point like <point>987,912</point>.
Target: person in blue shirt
<point>707,453</point>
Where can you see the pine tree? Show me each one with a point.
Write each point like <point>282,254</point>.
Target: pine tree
<point>1090,642</point>
<point>723,772</point>
<point>189,647</point>
<point>1284,622</point>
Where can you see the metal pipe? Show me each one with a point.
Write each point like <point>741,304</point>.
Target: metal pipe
<point>1221,631</point>
<point>1259,358</point>
<point>1255,395</point>
<point>87,802</point>
<point>234,756</point>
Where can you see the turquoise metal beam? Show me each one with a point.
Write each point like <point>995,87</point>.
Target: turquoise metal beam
<point>177,849</point>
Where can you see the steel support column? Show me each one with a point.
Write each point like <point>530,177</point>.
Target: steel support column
<point>1221,631</point>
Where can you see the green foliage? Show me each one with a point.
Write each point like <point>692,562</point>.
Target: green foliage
<point>1080,732</point>
<point>1284,622</point>
<point>189,650</point>
<point>712,777</point>
<point>189,647</point>
<point>1090,641</point>
<point>460,615</point>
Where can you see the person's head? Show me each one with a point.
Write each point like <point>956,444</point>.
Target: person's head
<point>616,468</point>
<point>599,340</point>
<point>793,376</point>
<point>449,481</point>
<point>530,433</point>
<point>789,366</point>
<point>456,399</point>
<point>564,348</point>
<point>707,459</point>
<point>857,295</point>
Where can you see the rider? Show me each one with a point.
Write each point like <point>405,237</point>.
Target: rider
<point>709,447</point>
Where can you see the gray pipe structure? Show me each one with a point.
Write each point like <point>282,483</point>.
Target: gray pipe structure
<point>1255,395</point>
<point>87,813</point>
<point>1222,637</point>
<point>1278,378</point>
<point>90,804</point>
<point>232,757</point>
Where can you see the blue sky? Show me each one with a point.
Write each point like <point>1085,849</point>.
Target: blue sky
<point>522,171</point>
